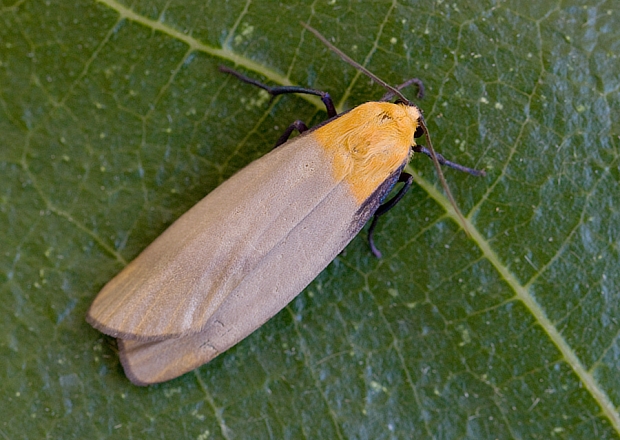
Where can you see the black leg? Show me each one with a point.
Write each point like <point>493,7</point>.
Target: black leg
<point>297,125</point>
<point>275,91</point>
<point>445,162</point>
<point>405,178</point>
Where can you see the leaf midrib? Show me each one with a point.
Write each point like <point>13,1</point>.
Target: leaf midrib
<point>196,45</point>
<point>522,293</point>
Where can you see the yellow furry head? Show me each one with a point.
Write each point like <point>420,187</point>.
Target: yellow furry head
<point>369,143</point>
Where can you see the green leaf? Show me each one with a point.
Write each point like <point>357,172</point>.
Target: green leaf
<point>114,121</point>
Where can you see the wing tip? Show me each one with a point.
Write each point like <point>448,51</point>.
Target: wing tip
<point>149,363</point>
<point>133,377</point>
<point>132,336</point>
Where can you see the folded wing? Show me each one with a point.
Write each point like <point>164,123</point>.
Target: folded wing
<point>240,255</point>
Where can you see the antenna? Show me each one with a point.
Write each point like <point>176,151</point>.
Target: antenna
<point>354,63</point>
<point>396,92</point>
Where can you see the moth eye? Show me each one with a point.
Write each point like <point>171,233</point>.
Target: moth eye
<point>419,132</point>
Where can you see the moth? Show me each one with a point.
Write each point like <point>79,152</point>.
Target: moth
<point>250,246</point>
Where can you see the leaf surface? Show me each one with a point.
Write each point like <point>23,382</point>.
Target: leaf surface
<point>114,121</point>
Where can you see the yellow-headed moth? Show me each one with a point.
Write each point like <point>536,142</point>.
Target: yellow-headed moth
<point>255,242</point>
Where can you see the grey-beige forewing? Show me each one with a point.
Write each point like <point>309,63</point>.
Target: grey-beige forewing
<point>231,242</point>
<point>273,282</point>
